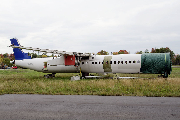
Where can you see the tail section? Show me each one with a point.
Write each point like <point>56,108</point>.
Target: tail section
<point>18,53</point>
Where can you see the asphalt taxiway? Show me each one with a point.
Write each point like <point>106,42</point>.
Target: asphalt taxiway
<point>81,107</point>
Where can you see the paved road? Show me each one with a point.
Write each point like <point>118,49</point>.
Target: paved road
<point>46,107</point>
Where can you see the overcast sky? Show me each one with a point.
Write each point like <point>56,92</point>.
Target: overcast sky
<point>91,25</point>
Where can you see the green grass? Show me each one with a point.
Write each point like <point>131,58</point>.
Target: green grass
<point>32,82</point>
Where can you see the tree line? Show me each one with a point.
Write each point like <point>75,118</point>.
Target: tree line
<point>5,60</point>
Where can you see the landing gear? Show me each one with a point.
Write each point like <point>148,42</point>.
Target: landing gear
<point>50,75</point>
<point>84,74</point>
<point>165,74</point>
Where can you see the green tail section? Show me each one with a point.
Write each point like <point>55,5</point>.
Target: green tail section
<point>157,63</point>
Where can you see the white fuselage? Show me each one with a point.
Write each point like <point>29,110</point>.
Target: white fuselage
<point>55,65</point>
<point>124,63</point>
<point>116,64</point>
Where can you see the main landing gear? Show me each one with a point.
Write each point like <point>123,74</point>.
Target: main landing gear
<point>84,74</point>
<point>50,75</point>
<point>165,75</point>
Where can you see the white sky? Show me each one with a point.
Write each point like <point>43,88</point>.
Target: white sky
<point>91,25</point>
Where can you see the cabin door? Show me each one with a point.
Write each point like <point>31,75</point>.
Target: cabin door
<point>45,66</point>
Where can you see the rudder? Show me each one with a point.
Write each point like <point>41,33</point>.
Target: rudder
<point>18,53</point>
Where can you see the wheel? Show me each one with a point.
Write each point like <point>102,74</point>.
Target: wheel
<point>165,75</point>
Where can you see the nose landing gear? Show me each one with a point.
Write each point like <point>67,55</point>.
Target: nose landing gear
<point>50,75</point>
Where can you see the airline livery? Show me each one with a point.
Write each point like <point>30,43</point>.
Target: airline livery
<point>85,63</point>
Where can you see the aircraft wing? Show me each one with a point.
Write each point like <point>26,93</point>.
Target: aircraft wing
<point>79,54</point>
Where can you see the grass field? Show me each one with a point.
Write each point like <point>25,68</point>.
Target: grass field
<point>31,82</point>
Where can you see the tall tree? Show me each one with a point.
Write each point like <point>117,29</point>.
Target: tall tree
<point>139,52</point>
<point>11,57</point>
<point>123,52</point>
<point>102,52</point>
<point>6,61</point>
<point>146,51</point>
<point>163,50</point>
<point>6,55</point>
<point>115,53</point>
<point>177,61</point>
<point>34,55</point>
<point>1,60</point>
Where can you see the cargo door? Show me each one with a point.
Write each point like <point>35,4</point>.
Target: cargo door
<point>69,60</point>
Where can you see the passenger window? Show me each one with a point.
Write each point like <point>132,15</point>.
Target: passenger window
<point>129,61</point>
<point>102,62</point>
<point>99,62</point>
<point>110,62</point>
<point>121,62</point>
<point>82,62</point>
<point>126,62</point>
<point>114,62</point>
<point>95,62</point>
<point>92,62</point>
<point>106,62</point>
<point>134,61</point>
<point>138,61</point>
<point>118,62</point>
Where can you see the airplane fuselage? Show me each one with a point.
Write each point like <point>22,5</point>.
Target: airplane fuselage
<point>124,63</point>
<point>85,63</point>
<point>95,64</point>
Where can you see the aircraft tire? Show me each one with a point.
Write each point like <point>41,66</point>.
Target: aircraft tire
<point>165,75</point>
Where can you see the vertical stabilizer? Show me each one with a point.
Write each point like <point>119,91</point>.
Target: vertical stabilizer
<point>18,53</point>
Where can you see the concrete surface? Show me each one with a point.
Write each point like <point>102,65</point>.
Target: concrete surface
<point>49,107</point>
